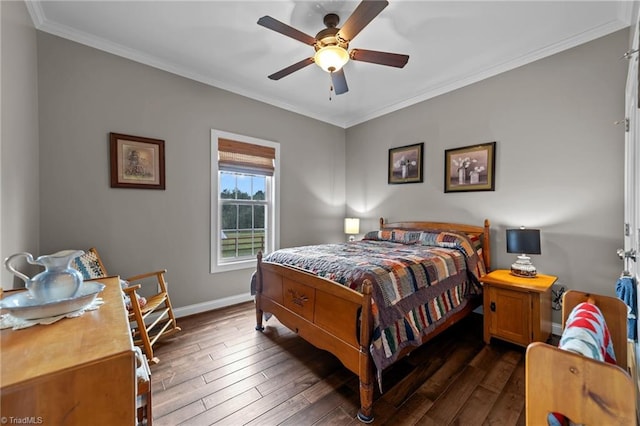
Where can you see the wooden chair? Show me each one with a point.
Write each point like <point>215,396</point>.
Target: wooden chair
<point>149,321</point>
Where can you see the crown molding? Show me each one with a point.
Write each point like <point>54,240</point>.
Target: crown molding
<point>527,58</point>
<point>626,13</point>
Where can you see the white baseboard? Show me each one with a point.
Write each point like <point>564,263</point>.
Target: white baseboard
<point>212,304</point>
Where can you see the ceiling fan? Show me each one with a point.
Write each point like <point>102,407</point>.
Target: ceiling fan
<point>331,44</point>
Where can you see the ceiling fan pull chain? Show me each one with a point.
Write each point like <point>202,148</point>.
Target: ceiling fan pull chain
<point>330,88</point>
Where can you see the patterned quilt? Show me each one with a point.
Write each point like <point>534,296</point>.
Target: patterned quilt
<point>417,281</point>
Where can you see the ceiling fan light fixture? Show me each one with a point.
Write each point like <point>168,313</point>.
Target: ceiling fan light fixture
<point>331,58</point>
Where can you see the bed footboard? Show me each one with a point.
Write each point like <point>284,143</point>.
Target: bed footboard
<point>330,317</point>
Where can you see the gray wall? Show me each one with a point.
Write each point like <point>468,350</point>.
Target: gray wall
<point>559,163</point>
<point>19,174</point>
<point>552,120</point>
<point>86,93</point>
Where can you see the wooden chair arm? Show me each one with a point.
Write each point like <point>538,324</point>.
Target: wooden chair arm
<point>134,306</point>
<point>147,275</point>
<point>159,275</point>
<point>131,289</point>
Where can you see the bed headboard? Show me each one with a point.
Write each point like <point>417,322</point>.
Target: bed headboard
<point>482,232</point>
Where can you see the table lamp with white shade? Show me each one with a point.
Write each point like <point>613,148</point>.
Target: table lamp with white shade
<point>352,227</point>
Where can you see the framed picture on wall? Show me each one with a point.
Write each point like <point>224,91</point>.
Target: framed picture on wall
<point>405,164</point>
<point>470,168</point>
<point>136,162</point>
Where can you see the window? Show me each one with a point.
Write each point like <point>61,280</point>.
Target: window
<point>244,214</point>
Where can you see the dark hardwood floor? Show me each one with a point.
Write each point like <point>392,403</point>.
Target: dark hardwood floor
<point>219,370</point>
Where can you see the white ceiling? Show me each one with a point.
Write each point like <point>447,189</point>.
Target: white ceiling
<point>450,43</point>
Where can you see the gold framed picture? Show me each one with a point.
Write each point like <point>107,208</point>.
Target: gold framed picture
<point>470,168</point>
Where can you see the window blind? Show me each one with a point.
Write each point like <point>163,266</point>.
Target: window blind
<point>245,157</point>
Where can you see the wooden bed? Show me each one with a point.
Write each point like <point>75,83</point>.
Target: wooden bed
<point>585,390</point>
<point>338,319</point>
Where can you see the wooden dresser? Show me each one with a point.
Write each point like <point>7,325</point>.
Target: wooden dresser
<point>77,371</point>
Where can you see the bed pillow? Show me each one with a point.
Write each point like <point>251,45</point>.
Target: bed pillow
<point>447,239</point>
<point>403,236</point>
<point>471,246</point>
<point>476,243</point>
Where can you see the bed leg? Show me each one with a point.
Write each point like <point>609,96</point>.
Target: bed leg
<point>365,414</point>
<point>259,313</point>
<point>365,372</point>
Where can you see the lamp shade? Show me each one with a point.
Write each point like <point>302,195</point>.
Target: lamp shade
<point>331,58</point>
<point>523,241</point>
<point>352,225</point>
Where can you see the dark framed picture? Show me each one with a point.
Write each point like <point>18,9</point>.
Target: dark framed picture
<point>405,164</point>
<point>136,162</point>
<point>470,168</point>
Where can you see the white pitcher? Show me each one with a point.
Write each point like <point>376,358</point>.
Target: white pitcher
<point>58,281</point>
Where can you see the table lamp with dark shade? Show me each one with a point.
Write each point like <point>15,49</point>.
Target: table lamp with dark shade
<point>523,241</point>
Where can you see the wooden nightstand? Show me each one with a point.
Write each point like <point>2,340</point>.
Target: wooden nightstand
<point>517,309</point>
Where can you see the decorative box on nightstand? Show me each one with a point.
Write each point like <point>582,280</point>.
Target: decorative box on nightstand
<point>517,309</point>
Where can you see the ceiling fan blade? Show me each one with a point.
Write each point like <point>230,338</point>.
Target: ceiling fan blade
<point>282,28</point>
<point>381,58</point>
<point>339,82</point>
<point>360,18</point>
<point>291,68</point>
